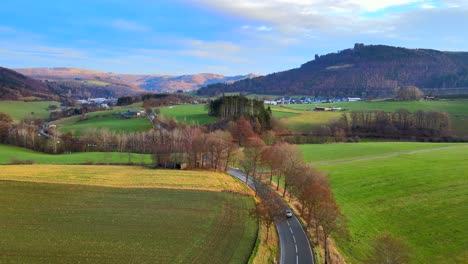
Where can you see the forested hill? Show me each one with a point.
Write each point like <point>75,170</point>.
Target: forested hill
<point>15,86</point>
<point>365,70</point>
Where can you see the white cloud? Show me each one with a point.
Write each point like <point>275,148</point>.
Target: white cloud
<point>428,6</point>
<point>259,28</point>
<point>126,25</point>
<point>264,28</point>
<point>300,17</point>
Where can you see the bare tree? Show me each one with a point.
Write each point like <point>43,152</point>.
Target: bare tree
<point>331,220</point>
<point>253,158</point>
<point>242,130</point>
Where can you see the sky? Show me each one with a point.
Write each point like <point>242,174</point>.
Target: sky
<point>218,36</point>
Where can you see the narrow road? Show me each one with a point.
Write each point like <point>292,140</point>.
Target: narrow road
<point>294,244</point>
<point>382,156</point>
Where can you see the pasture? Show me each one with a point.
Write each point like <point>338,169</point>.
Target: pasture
<point>449,106</point>
<point>106,214</point>
<point>189,114</point>
<point>421,197</point>
<point>302,121</point>
<point>105,120</point>
<point>109,121</point>
<point>316,153</point>
<point>12,154</point>
<point>19,110</point>
<point>457,109</point>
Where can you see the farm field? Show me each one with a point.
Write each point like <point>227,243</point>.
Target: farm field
<point>111,122</point>
<point>419,197</point>
<point>105,119</point>
<point>190,114</point>
<point>449,106</point>
<point>71,214</point>
<point>122,177</point>
<point>302,121</point>
<point>458,110</point>
<point>9,154</point>
<point>314,153</point>
<point>19,110</point>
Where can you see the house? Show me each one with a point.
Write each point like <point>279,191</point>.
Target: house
<point>132,114</point>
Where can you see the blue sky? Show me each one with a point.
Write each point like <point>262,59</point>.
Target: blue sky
<point>219,36</point>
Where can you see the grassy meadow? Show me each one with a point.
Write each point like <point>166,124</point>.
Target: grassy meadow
<point>458,110</point>
<point>110,122</point>
<point>189,114</point>
<point>105,120</point>
<point>315,153</point>
<point>449,106</point>
<point>106,214</point>
<point>300,120</point>
<point>19,110</point>
<point>12,154</point>
<point>421,197</point>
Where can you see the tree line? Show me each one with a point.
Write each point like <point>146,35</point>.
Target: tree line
<point>311,187</point>
<point>234,107</point>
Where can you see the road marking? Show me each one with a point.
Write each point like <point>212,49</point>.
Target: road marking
<point>294,238</point>
<point>297,259</point>
<point>287,221</point>
<point>292,233</point>
<point>295,245</point>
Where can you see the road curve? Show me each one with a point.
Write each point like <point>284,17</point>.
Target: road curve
<point>294,244</point>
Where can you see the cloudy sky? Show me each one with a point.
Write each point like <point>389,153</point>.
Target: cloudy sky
<point>220,36</point>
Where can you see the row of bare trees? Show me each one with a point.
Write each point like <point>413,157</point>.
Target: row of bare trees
<point>309,186</point>
<point>399,124</point>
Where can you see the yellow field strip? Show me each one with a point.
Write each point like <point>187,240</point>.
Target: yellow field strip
<point>121,177</point>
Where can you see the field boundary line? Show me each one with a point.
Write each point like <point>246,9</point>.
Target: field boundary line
<point>382,156</point>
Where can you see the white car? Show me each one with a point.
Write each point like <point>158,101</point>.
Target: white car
<point>288,213</point>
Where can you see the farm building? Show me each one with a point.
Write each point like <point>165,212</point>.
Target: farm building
<point>132,114</point>
<point>354,99</point>
<point>322,108</point>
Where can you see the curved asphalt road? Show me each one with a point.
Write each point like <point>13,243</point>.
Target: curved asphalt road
<point>294,244</point>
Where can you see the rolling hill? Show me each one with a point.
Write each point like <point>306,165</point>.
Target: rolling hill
<point>150,82</point>
<point>365,70</point>
<point>16,86</point>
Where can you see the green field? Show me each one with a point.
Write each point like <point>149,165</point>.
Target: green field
<point>87,224</point>
<point>449,106</point>
<point>314,153</point>
<point>458,110</point>
<point>105,119</point>
<point>110,122</point>
<point>9,154</point>
<point>302,121</point>
<point>190,114</point>
<point>19,110</point>
<point>48,222</point>
<point>420,197</point>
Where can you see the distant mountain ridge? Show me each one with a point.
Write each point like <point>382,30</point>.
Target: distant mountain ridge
<point>365,70</point>
<point>15,86</point>
<point>150,82</point>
